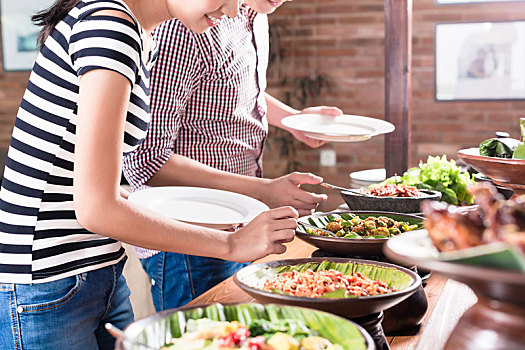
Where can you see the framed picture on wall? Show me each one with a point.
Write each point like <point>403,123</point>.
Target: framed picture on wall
<point>480,61</point>
<point>19,34</point>
<point>447,2</point>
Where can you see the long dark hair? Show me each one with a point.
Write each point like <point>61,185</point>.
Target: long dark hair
<point>50,17</point>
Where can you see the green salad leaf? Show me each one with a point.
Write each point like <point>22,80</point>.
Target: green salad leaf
<point>438,174</point>
<point>295,328</point>
<point>519,152</point>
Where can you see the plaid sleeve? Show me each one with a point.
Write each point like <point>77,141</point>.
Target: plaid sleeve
<point>174,78</point>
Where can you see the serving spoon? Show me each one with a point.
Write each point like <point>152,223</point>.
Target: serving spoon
<point>334,187</point>
<point>119,334</point>
<point>317,228</point>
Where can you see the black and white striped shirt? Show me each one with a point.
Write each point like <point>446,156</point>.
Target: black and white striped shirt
<point>40,238</point>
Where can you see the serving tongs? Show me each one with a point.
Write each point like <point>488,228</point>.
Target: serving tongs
<point>305,224</point>
<point>334,187</point>
<point>119,334</point>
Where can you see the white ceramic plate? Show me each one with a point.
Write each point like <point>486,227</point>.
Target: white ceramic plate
<point>344,128</point>
<point>201,206</point>
<point>369,175</point>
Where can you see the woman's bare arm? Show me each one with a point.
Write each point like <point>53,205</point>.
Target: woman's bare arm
<point>100,208</point>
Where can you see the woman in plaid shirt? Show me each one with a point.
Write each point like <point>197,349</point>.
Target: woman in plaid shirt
<point>210,115</point>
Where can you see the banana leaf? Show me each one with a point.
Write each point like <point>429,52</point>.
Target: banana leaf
<point>391,276</point>
<point>334,328</point>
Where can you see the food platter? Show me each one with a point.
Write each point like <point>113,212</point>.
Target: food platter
<point>250,278</point>
<point>161,328</point>
<point>501,302</point>
<point>348,246</point>
<point>202,206</point>
<point>345,128</point>
<point>364,310</point>
<point>504,172</point>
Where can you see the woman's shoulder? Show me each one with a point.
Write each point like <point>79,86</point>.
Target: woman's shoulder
<point>106,17</point>
<point>106,9</point>
<point>108,13</point>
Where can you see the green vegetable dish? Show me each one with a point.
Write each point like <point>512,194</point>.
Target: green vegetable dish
<point>249,326</point>
<point>504,147</point>
<point>260,334</point>
<point>349,225</point>
<point>439,174</point>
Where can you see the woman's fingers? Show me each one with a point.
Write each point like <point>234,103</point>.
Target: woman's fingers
<point>283,235</point>
<point>305,197</point>
<point>278,248</point>
<point>305,212</point>
<point>284,224</point>
<point>283,212</point>
<point>298,178</point>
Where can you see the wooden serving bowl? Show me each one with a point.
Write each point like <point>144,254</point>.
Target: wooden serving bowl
<point>497,320</point>
<point>502,171</point>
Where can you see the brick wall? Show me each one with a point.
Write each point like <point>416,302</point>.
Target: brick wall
<point>344,41</point>
<point>12,86</point>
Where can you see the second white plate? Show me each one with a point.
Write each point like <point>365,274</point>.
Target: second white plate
<point>202,206</point>
<point>344,128</point>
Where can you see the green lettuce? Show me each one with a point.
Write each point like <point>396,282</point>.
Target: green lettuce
<point>519,152</point>
<point>439,174</point>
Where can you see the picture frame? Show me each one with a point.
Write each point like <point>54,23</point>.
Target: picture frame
<point>467,2</point>
<point>479,61</point>
<point>19,34</point>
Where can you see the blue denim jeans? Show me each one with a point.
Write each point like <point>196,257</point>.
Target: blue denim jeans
<point>177,279</point>
<point>66,314</point>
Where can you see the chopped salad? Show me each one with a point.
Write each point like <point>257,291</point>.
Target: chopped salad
<point>326,284</point>
<point>260,334</point>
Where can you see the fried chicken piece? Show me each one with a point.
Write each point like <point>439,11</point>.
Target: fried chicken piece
<point>490,202</point>
<point>512,222</point>
<point>450,230</point>
<point>495,220</point>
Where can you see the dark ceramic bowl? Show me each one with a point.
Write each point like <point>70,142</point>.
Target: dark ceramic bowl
<point>365,247</point>
<point>250,277</point>
<point>157,329</point>
<point>356,201</point>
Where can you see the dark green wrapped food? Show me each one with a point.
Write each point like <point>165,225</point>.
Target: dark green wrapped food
<point>498,147</point>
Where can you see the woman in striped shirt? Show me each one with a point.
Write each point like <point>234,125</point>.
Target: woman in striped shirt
<point>62,213</point>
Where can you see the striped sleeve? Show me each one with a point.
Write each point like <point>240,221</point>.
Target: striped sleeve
<point>106,42</point>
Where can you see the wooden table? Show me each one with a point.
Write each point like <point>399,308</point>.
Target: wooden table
<point>447,301</point>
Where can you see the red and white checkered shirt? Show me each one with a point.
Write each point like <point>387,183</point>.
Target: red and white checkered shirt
<point>207,99</point>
